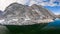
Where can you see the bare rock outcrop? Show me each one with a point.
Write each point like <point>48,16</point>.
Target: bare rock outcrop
<point>19,14</point>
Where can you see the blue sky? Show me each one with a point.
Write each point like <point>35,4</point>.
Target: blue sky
<point>54,9</point>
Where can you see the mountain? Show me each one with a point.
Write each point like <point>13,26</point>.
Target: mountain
<point>14,8</point>
<point>58,16</point>
<point>43,12</point>
<point>1,14</point>
<point>20,14</point>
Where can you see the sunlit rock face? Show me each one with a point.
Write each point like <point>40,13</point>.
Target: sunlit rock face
<point>42,11</point>
<point>18,14</point>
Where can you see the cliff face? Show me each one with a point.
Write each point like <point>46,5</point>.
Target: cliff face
<point>23,14</point>
<point>58,16</point>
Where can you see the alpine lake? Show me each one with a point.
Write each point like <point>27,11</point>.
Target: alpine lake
<point>42,28</point>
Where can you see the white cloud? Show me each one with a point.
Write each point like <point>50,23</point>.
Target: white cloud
<point>40,2</point>
<point>32,2</point>
<point>52,4</point>
<point>5,3</point>
<point>21,1</point>
<point>57,13</point>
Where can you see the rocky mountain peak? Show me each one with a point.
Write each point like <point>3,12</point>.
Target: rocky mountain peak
<point>20,14</point>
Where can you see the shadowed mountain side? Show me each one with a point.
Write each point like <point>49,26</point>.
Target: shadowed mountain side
<point>1,14</point>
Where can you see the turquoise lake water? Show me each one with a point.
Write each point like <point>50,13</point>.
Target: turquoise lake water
<point>55,24</point>
<point>36,28</point>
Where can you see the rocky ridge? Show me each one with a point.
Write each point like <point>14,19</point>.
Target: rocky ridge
<point>19,14</point>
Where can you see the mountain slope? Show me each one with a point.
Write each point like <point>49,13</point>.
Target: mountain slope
<point>23,15</point>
